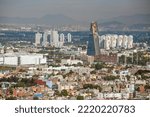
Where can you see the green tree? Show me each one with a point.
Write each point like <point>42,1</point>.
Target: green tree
<point>11,98</point>
<point>80,97</point>
<point>64,92</point>
<point>57,93</point>
<point>110,78</point>
<point>79,64</point>
<point>98,66</point>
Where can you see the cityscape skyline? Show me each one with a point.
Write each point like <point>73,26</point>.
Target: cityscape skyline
<point>49,50</point>
<point>92,10</point>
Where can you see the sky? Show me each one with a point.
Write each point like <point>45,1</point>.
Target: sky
<point>76,9</point>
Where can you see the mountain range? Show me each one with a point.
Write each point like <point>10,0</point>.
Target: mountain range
<point>133,21</point>
<point>57,19</point>
<point>129,20</point>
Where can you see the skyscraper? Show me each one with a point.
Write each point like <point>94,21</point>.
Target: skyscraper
<point>93,43</point>
<point>38,37</point>
<point>45,41</point>
<point>130,41</point>
<point>91,48</point>
<point>61,39</point>
<point>55,38</point>
<point>69,37</point>
<point>94,30</point>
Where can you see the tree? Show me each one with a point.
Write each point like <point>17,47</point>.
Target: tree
<point>79,64</point>
<point>80,97</point>
<point>20,84</point>
<point>10,91</point>
<point>64,92</point>
<point>57,93</point>
<point>147,87</point>
<point>110,78</point>
<point>98,66</point>
<point>11,98</point>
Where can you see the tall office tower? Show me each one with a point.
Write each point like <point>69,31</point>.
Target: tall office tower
<point>38,37</point>
<point>94,30</point>
<point>69,37</point>
<point>61,39</point>
<point>93,44</point>
<point>130,41</point>
<point>90,48</point>
<point>55,38</point>
<point>45,39</point>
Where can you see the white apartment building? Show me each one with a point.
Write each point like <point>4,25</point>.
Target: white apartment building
<point>38,37</point>
<point>69,37</point>
<point>61,39</point>
<point>112,41</point>
<point>55,38</point>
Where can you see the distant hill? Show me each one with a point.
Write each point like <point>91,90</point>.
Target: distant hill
<point>134,22</point>
<point>124,23</point>
<point>57,19</point>
<point>112,25</point>
<point>129,20</point>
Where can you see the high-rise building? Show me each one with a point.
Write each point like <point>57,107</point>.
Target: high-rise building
<point>119,41</point>
<point>69,37</point>
<point>111,41</point>
<point>101,41</point>
<point>125,42</point>
<point>38,37</point>
<point>45,39</point>
<point>96,43</point>
<point>90,48</point>
<point>61,39</point>
<point>130,41</point>
<point>93,43</point>
<point>107,42</point>
<point>54,38</point>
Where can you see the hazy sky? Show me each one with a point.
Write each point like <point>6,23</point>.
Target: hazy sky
<point>76,9</point>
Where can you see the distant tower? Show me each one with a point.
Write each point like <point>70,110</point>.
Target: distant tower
<point>45,41</point>
<point>93,43</point>
<point>61,39</point>
<point>113,41</point>
<point>94,30</point>
<point>130,41</point>
<point>119,41</point>
<point>55,38</point>
<point>69,37</point>
<point>107,43</point>
<point>125,42</point>
<point>101,41</point>
<point>38,37</point>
